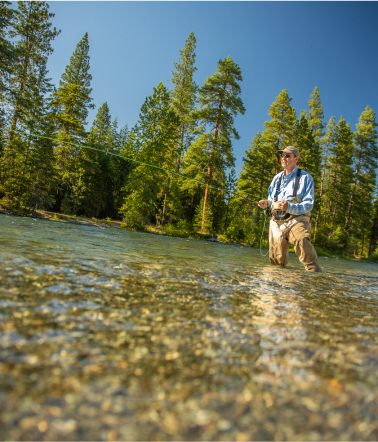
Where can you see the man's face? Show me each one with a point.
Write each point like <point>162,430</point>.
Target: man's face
<point>288,160</point>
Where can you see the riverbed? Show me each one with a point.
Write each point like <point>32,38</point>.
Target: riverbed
<point>107,334</point>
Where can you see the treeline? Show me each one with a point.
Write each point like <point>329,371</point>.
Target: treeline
<point>187,130</point>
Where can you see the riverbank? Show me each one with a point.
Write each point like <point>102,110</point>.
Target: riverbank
<point>168,230</point>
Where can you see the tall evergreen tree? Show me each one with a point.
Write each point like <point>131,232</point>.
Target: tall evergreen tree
<point>34,35</point>
<point>373,227</point>
<point>183,95</point>
<point>340,173</point>
<point>254,179</point>
<point>316,115</point>
<point>7,60</point>
<point>71,103</point>
<point>327,143</point>
<point>220,101</point>
<point>29,85</point>
<point>183,98</point>
<point>153,141</point>
<point>89,194</point>
<point>305,140</point>
<point>230,187</point>
<point>28,163</point>
<point>279,131</point>
<point>366,156</point>
<point>196,162</point>
<point>102,175</point>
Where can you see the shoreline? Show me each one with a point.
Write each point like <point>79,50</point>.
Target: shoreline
<point>78,220</point>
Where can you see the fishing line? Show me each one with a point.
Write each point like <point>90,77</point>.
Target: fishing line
<point>262,234</point>
<point>156,167</point>
<point>136,161</point>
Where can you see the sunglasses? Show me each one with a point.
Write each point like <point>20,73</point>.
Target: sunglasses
<point>285,155</point>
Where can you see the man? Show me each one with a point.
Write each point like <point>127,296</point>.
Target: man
<point>291,199</point>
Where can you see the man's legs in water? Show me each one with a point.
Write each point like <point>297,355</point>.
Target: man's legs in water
<point>299,236</point>
<point>278,245</point>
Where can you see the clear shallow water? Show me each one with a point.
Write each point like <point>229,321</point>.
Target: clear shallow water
<point>107,334</point>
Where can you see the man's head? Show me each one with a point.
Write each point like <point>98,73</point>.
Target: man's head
<point>289,157</point>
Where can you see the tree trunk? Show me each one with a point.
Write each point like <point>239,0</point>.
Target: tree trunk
<point>58,202</point>
<point>18,105</point>
<point>225,222</point>
<point>164,217</point>
<point>362,245</point>
<point>352,194</point>
<point>333,216</point>
<point>210,173</point>
<point>349,208</point>
<point>370,242</point>
<point>321,192</point>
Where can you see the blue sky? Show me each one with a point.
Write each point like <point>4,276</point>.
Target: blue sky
<point>278,45</point>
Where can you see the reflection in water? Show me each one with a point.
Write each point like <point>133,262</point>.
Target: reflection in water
<point>109,334</point>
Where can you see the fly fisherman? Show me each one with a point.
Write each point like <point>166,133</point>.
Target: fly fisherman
<point>291,199</point>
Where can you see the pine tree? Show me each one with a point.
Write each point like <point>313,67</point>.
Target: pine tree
<point>256,177</point>
<point>316,115</point>
<point>327,143</point>
<point>71,103</point>
<point>29,164</point>
<point>29,85</point>
<point>279,131</point>
<point>183,95</point>
<point>183,99</point>
<point>340,173</point>
<point>254,180</point>
<point>38,173</point>
<point>374,227</point>
<point>34,33</point>
<point>366,156</point>
<point>153,141</point>
<point>7,60</point>
<point>310,153</point>
<point>89,191</point>
<point>220,101</point>
<point>360,217</point>
<point>122,169</point>
<point>195,167</point>
<point>230,192</point>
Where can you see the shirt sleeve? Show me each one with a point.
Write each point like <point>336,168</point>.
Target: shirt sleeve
<point>271,191</point>
<point>307,195</point>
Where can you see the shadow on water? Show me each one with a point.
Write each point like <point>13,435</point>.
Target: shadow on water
<point>108,334</point>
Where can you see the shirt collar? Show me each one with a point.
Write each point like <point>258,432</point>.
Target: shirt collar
<point>291,174</point>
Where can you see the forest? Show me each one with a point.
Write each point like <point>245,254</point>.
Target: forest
<point>50,161</point>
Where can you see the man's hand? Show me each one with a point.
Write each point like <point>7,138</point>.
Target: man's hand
<point>263,204</point>
<point>282,205</point>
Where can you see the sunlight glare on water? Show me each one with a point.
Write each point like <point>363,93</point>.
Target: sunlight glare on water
<point>107,334</point>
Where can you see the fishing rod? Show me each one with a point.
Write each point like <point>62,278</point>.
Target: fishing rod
<point>139,162</point>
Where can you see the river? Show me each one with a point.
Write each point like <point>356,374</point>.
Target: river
<point>107,334</point>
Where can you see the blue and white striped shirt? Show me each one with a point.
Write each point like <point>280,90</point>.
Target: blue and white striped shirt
<point>305,191</point>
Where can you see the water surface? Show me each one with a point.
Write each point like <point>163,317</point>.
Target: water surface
<point>107,334</point>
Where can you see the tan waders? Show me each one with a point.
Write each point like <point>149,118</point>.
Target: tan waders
<point>295,231</point>
<point>288,229</point>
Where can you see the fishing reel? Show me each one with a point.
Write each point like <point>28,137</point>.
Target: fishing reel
<point>268,212</point>
<point>280,215</point>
